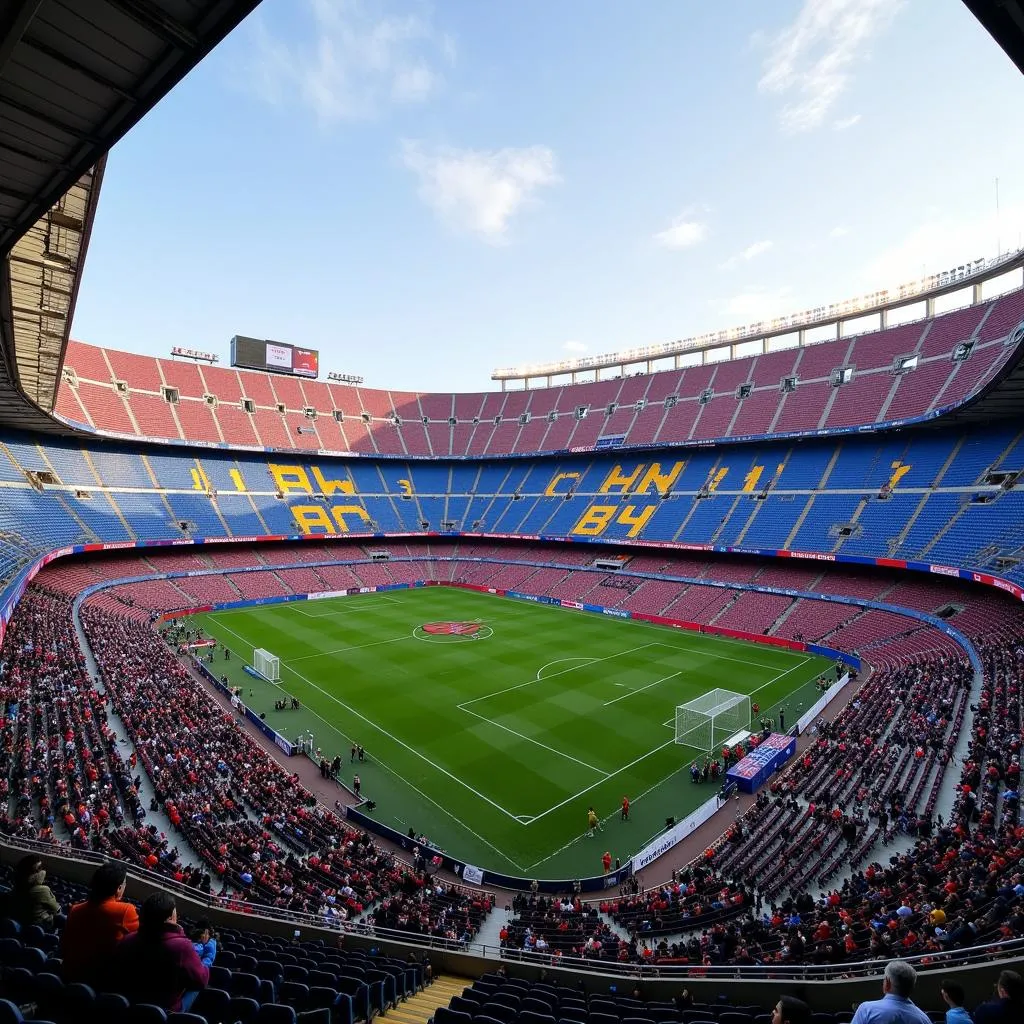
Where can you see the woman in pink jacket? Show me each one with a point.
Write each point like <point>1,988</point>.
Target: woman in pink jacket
<point>158,964</point>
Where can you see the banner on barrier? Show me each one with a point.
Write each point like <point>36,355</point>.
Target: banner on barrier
<point>811,714</point>
<point>473,875</point>
<point>675,835</point>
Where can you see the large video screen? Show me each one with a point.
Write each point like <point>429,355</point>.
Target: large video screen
<point>274,356</point>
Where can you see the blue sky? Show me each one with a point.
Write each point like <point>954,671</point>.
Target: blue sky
<point>426,192</point>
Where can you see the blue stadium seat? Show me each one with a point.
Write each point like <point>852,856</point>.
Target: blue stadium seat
<point>275,1013</point>
<point>212,1003</point>
<point>242,1010</point>
<point>146,1013</point>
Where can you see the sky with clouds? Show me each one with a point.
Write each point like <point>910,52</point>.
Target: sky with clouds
<point>425,192</point>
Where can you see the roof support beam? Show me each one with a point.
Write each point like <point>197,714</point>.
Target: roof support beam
<point>14,26</point>
<point>150,17</point>
<point>78,68</point>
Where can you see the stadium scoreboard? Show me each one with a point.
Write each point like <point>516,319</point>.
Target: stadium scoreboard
<point>274,357</point>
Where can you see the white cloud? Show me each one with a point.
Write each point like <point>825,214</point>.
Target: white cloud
<point>943,241</point>
<point>682,233</point>
<point>477,190</point>
<point>356,59</point>
<point>759,304</point>
<point>810,61</point>
<point>575,346</point>
<point>846,122</point>
<point>751,252</point>
<point>839,231</point>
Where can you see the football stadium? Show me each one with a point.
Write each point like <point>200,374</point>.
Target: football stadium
<point>682,684</point>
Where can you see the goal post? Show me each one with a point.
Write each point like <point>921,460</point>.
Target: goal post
<point>266,665</point>
<point>712,718</point>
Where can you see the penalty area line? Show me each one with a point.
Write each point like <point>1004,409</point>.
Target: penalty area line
<point>530,739</point>
<point>640,689</point>
<point>562,672</point>
<point>394,739</point>
<point>594,785</point>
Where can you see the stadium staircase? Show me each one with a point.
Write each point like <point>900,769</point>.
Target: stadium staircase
<point>419,1009</point>
<point>618,929</point>
<point>490,930</point>
<point>120,736</point>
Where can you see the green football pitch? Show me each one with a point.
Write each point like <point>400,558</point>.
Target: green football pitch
<point>495,743</point>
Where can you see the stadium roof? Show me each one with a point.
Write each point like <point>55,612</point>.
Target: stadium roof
<point>1004,21</point>
<point>74,78</point>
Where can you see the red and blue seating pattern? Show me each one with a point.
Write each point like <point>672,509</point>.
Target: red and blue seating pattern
<point>132,395</point>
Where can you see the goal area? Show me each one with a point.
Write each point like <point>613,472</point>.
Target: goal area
<point>266,665</point>
<point>712,718</point>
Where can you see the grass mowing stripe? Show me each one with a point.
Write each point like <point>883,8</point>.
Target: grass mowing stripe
<point>528,739</point>
<point>562,672</point>
<point>397,775</point>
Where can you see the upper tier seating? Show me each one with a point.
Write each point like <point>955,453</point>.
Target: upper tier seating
<point>938,497</point>
<point>125,394</point>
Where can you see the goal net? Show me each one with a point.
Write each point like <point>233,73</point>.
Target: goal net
<point>266,665</point>
<point>712,718</point>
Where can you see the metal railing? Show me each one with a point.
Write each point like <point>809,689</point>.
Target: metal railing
<point>250,914</point>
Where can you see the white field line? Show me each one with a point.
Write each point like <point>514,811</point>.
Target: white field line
<point>781,675</point>
<point>564,671</point>
<point>394,739</point>
<point>537,743</point>
<point>607,817</point>
<point>526,820</point>
<point>322,654</point>
<point>610,775</point>
<point>641,758</point>
<point>716,657</point>
<point>640,689</point>
<point>398,775</point>
<point>350,609</point>
<point>560,661</point>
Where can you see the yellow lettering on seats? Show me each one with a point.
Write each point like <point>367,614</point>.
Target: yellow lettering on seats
<point>200,481</point>
<point>340,511</point>
<point>662,481</point>
<point>552,488</point>
<point>330,486</point>
<point>236,479</point>
<point>312,517</point>
<point>717,477</point>
<point>750,481</point>
<point>629,517</point>
<point>617,480</point>
<point>595,520</point>
<point>899,471</point>
<point>406,486</point>
<point>290,479</point>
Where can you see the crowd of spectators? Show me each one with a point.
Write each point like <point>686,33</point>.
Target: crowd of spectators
<point>264,836</point>
<point>562,926</point>
<point>66,781</point>
<point>261,836</point>
<point>868,777</point>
